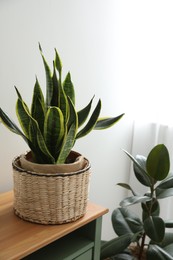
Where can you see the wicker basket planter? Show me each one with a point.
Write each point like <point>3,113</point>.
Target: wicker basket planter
<point>51,197</point>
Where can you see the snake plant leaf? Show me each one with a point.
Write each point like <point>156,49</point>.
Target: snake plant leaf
<point>11,125</point>
<point>115,246</point>
<point>49,84</point>
<point>154,228</point>
<point>37,139</point>
<point>20,97</point>
<point>125,221</point>
<point>23,116</point>
<point>91,123</point>
<point>56,91</point>
<point>63,103</point>
<point>158,162</point>
<point>18,93</point>
<point>83,113</point>
<point>38,106</point>
<point>73,118</point>
<point>142,175</point>
<point>106,122</point>
<point>58,64</point>
<point>128,187</point>
<point>69,88</point>
<point>54,130</point>
<point>134,200</point>
<point>156,252</point>
<point>67,145</point>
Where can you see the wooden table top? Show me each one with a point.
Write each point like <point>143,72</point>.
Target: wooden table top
<point>19,238</point>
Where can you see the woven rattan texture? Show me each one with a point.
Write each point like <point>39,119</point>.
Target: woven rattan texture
<point>50,200</point>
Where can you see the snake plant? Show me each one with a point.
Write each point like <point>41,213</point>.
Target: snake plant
<point>52,124</point>
<point>146,237</point>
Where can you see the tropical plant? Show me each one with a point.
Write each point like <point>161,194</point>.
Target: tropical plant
<point>146,237</point>
<point>52,125</point>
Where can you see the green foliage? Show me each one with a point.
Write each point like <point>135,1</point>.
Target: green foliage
<point>52,125</point>
<point>153,172</point>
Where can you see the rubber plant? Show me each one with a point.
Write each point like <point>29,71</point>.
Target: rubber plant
<point>52,125</point>
<point>148,236</point>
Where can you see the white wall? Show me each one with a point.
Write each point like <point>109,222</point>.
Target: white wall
<point>85,34</point>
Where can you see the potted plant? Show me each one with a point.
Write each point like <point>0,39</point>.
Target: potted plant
<point>51,180</point>
<point>146,237</point>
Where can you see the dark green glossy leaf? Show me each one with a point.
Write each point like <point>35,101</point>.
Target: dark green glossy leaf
<point>125,221</point>
<point>163,193</point>
<point>155,228</point>
<point>168,239</point>
<point>137,164</point>
<point>134,200</point>
<point>91,123</point>
<point>123,256</point>
<point>158,163</point>
<point>115,246</point>
<point>150,208</point>
<point>156,252</point>
<point>128,187</point>
<point>169,224</point>
<point>140,172</point>
<point>166,183</point>
<point>169,249</point>
<point>103,123</point>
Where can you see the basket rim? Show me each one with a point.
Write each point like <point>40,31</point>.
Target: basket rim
<point>16,166</point>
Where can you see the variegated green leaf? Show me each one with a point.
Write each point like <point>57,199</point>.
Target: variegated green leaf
<point>91,123</point>
<point>83,113</point>
<point>38,106</point>
<point>37,140</point>
<point>23,116</point>
<point>49,84</point>
<point>54,130</point>
<point>69,88</point>
<point>58,63</point>
<point>106,122</point>
<point>67,145</point>
<point>56,91</point>
<point>73,118</point>
<point>11,125</point>
<point>63,103</point>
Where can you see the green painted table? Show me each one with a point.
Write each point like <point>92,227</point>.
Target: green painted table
<point>78,240</point>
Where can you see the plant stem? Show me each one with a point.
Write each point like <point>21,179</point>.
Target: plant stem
<point>142,246</point>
